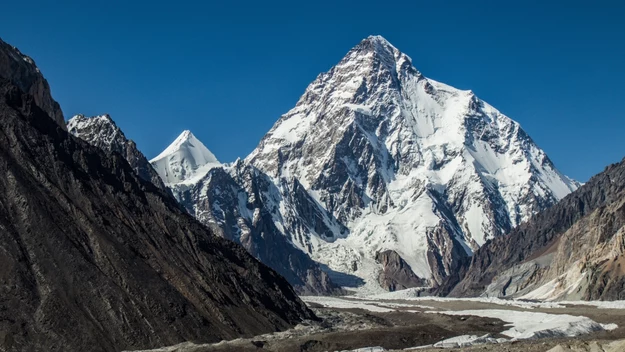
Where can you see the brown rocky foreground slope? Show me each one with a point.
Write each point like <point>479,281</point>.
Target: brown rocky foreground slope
<point>575,249</point>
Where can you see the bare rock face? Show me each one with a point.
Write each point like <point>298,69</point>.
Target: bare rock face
<point>396,273</point>
<point>102,132</point>
<point>574,250</point>
<point>23,73</point>
<point>94,258</point>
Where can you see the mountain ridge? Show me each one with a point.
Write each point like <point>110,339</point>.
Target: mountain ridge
<point>22,71</point>
<point>102,132</point>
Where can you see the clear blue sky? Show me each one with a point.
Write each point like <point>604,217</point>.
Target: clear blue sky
<point>227,71</point>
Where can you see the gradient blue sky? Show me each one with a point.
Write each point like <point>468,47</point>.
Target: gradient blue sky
<point>228,70</point>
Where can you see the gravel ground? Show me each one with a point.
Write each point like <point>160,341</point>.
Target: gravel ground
<point>410,326</point>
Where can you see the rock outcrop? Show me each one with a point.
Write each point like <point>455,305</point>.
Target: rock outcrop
<point>396,273</point>
<point>23,73</point>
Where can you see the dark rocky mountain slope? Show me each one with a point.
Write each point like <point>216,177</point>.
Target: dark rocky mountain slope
<point>94,258</point>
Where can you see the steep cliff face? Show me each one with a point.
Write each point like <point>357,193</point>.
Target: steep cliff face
<point>23,73</point>
<point>396,274</point>
<point>92,257</point>
<point>573,250</point>
<point>102,132</point>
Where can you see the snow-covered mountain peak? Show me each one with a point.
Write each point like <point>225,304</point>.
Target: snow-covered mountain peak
<point>186,139</point>
<point>185,159</point>
<point>378,46</point>
<point>80,118</point>
<point>406,163</point>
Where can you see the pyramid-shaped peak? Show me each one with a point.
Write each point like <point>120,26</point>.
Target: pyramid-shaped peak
<point>185,135</point>
<point>188,142</point>
<point>185,158</point>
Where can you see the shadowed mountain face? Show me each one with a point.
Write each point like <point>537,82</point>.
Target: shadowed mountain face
<point>94,258</point>
<point>22,72</point>
<point>574,250</point>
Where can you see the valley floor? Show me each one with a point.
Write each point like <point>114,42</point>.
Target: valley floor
<point>398,321</point>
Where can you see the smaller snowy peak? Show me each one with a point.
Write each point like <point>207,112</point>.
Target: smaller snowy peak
<point>187,142</point>
<point>184,160</point>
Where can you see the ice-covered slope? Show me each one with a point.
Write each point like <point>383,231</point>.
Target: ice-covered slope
<point>406,164</point>
<point>243,203</point>
<point>185,158</point>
